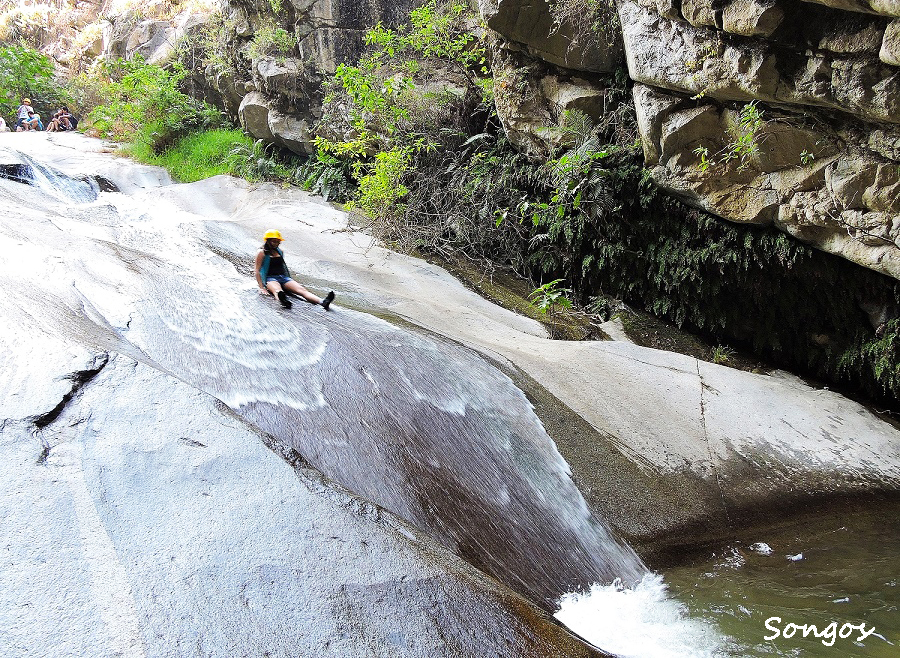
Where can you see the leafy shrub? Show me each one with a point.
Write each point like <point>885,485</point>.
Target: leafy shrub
<point>381,189</point>
<point>392,132</point>
<point>256,161</point>
<point>271,40</point>
<point>27,73</point>
<point>325,175</point>
<point>145,104</point>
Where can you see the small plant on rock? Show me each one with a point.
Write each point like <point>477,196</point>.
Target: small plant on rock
<point>549,299</point>
<point>722,354</point>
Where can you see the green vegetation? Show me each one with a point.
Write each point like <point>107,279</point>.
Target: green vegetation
<point>550,298</point>
<point>391,129</point>
<point>271,40</point>
<point>143,103</point>
<point>196,156</point>
<point>743,143</point>
<point>27,73</point>
<point>722,354</point>
<point>256,161</point>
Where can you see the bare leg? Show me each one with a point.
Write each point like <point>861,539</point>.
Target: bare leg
<point>297,289</point>
<point>275,288</point>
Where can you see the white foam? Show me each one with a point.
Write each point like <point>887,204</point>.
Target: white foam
<point>639,622</point>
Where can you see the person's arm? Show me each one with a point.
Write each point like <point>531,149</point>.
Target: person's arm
<point>259,263</point>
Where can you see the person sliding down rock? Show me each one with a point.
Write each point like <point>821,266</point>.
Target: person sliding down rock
<point>273,277</point>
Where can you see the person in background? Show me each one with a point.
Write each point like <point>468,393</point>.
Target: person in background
<point>62,120</point>
<point>33,122</point>
<point>273,277</point>
<point>3,127</point>
<point>22,113</point>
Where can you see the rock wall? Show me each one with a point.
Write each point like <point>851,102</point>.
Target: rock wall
<point>823,160</point>
<point>277,97</point>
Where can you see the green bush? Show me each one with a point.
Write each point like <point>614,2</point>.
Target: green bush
<point>144,104</point>
<point>27,73</point>
<point>325,175</point>
<point>257,161</point>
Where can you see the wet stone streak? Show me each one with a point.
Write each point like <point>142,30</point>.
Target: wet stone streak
<point>712,463</point>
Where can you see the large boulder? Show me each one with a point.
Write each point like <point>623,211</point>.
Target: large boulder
<point>532,25</point>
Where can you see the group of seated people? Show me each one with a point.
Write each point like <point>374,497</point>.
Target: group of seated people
<point>28,119</point>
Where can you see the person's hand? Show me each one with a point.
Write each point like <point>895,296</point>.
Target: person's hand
<point>264,291</point>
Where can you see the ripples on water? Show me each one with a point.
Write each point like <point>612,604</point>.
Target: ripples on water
<point>849,572</point>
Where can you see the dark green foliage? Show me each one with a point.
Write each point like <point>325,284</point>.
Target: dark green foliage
<point>327,176</point>
<point>742,285</point>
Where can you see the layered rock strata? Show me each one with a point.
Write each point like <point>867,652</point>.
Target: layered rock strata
<point>821,162</point>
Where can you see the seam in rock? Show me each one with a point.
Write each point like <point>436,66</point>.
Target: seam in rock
<point>79,379</point>
<point>712,463</point>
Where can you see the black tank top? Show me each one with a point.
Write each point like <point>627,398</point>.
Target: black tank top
<point>276,266</point>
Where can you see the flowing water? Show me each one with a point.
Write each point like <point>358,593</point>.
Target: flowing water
<point>423,427</point>
<point>828,570</point>
<point>428,430</point>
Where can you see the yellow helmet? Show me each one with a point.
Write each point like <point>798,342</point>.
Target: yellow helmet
<point>272,234</point>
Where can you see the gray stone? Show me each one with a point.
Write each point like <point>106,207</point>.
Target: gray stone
<point>881,7</point>
<point>666,8</point>
<point>853,36</point>
<point>254,115</point>
<point>651,108</point>
<point>890,46</point>
<point>699,13</point>
<point>752,18</point>
<point>677,56</point>
<point>279,76</point>
<point>153,40</point>
<point>531,24</point>
<point>291,133</point>
<point>800,177</point>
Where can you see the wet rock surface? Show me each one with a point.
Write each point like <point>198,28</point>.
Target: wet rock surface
<point>664,447</point>
<point>179,530</point>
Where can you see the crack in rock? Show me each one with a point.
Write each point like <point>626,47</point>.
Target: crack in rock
<point>79,379</point>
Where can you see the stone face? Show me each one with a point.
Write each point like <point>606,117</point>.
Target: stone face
<point>531,24</point>
<point>699,13</point>
<point>824,165</point>
<point>676,56</point>
<point>825,188</point>
<point>531,100</point>
<point>752,18</point>
<point>882,7</point>
<point>259,118</point>
<point>890,46</point>
<point>254,116</point>
<point>291,133</point>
